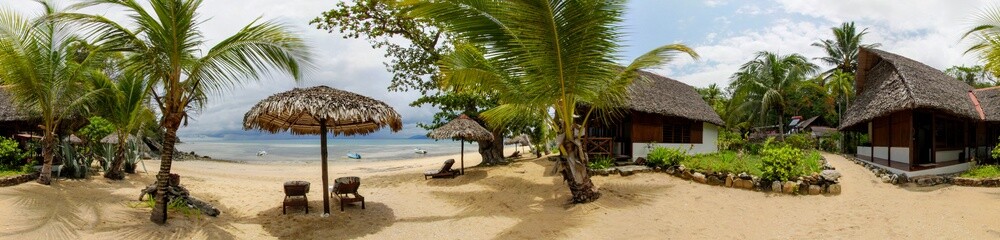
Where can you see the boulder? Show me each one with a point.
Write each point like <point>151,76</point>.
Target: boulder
<point>715,180</point>
<point>833,189</point>
<point>729,180</point>
<point>830,175</point>
<point>886,179</point>
<point>776,186</point>
<point>698,177</point>
<point>827,166</point>
<point>788,187</point>
<point>815,190</point>
<point>803,188</point>
<point>745,176</point>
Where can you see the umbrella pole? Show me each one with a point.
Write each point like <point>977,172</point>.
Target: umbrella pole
<point>326,182</point>
<point>463,157</point>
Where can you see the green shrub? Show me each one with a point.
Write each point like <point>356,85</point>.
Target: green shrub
<point>11,157</point>
<point>801,141</point>
<point>731,141</point>
<point>983,171</point>
<point>725,161</point>
<point>662,156</point>
<point>831,143</point>
<point>996,151</point>
<point>601,162</point>
<point>780,163</point>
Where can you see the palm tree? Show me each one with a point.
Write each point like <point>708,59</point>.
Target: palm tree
<point>124,104</point>
<point>842,51</point>
<point>761,85</point>
<point>560,53</point>
<point>985,38</point>
<point>841,86</point>
<point>45,75</point>
<point>165,49</point>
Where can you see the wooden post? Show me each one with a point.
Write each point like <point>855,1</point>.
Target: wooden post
<point>326,181</point>
<point>463,157</point>
<point>889,149</point>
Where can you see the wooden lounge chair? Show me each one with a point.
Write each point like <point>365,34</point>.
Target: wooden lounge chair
<point>295,195</point>
<point>345,189</point>
<point>445,171</point>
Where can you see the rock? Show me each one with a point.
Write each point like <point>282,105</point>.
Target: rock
<point>729,180</point>
<point>698,177</point>
<point>803,188</point>
<point>625,173</point>
<point>745,176</point>
<point>827,166</point>
<point>715,181</point>
<point>746,184</point>
<point>788,187</point>
<point>833,189</point>
<point>830,175</point>
<point>776,186</point>
<point>815,190</point>
<point>886,179</point>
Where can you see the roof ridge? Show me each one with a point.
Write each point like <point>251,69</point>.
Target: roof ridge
<point>902,79</point>
<point>987,88</point>
<point>979,107</point>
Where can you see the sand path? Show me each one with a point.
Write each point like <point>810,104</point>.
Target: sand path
<point>520,200</point>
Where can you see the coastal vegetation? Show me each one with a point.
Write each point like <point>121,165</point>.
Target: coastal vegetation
<point>165,52</point>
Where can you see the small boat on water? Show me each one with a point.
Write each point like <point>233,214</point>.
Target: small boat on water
<point>354,156</point>
<point>420,151</point>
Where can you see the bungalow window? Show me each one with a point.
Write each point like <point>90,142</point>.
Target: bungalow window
<point>676,133</point>
<point>949,133</point>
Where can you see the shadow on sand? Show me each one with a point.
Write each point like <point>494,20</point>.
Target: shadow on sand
<point>354,222</point>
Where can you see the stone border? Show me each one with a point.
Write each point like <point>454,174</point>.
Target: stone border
<point>18,179</point>
<point>816,184</point>
<point>976,182</point>
<point>898,179</point>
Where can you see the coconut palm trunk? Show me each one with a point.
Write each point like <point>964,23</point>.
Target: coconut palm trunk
<point>48,146</point>
<point>170,125</point>
<point>116,171</point>
<point>574,171</point>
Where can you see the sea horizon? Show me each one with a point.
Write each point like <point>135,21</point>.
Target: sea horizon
<point>308,150</point>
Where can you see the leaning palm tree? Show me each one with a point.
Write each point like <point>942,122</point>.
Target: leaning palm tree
<point>842,50</point>
<point>763,84</point>
<point>560,53</point>
<point>39,66</point>
<point>166,48</point>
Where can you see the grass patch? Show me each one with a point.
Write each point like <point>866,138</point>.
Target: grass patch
<point>8,173</point>
<point>732,162</point>
<point>983,171</point>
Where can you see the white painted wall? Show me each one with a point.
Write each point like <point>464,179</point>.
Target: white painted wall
<point>882,152</point>
<point>961,167</point>
<point>944,156</point>
<point>900,154</point>
<point>864,151</point>
<point>709,143</point>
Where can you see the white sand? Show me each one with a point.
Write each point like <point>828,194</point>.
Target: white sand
<point>521,200</point>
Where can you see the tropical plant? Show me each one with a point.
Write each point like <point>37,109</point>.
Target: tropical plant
<point>840,86</point>
<point>762,87</point>
<point>166,48</point>
<point>601,163</point>
<point>11,157</point>
<point>780,163</point>
<point>45,71</point>
<point>984,36</point>
<point>842,50</point>
<point>561,52</point>
<point>125,106</point>
<point>666,157</point>
<point>803,141</point>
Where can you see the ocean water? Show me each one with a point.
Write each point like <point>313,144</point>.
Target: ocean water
<point>308,150</point>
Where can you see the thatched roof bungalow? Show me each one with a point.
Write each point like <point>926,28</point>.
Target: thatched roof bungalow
<point>12,118</point>
<point>660,111</point>
<point>920,121</point>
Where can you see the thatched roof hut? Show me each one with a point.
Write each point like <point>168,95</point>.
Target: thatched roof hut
<point>9,111</point>
<point>888,83</point>
<point>463,128</point>
<point>299,111</point>
<point>989,102</point>
<point>668,97</point>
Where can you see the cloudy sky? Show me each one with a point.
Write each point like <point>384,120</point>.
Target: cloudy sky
<point>725,34</point>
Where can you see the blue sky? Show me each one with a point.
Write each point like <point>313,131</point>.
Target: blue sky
<point>725,33</point>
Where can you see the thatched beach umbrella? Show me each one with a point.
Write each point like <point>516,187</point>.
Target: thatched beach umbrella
<point>520,140</point>
<point>462,128</point>
<point>321,110</point>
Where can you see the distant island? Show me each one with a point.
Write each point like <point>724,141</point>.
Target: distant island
<point>418,137</point>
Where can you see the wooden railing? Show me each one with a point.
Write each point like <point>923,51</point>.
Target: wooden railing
<point>599,146</point>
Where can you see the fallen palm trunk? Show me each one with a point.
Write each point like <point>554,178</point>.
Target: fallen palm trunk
<point>177,192</point>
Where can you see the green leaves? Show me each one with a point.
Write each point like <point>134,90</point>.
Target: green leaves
<point>781,163</point>
<point>764,84</point>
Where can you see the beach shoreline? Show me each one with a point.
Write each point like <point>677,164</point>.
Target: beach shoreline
<point>521,200</point>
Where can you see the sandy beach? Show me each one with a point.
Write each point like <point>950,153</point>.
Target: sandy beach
<point>523,200</point>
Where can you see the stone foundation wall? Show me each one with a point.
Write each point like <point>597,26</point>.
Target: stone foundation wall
<point>19,179</point>
<point>975,182</point>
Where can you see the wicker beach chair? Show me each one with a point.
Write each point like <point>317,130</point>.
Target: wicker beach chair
<point>345,189</point>
<point>445,171</point>
<point>295,195</point>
